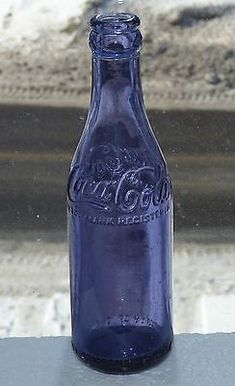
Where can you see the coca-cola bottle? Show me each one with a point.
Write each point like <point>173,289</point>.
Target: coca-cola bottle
<point>119,214</point>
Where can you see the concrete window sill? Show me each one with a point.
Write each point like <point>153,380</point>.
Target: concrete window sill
<point>195,360</point>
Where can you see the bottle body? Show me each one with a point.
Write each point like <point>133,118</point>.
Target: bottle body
<point>120,229</point>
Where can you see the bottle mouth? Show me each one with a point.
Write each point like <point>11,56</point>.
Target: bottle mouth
<point>115,23</point>
<point>115,35</point>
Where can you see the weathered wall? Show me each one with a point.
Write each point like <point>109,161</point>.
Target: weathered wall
<point>188,55</point>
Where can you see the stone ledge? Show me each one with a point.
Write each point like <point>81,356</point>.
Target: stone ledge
<point>195,360</point>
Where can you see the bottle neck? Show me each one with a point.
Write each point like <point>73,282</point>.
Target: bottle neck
<point>116,85</point>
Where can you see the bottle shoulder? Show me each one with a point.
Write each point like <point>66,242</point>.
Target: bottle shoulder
<point>123,133</point>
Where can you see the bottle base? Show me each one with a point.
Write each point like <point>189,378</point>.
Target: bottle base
<point>124,366</point>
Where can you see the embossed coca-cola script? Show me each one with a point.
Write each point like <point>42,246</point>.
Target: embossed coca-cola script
<point>121,179</point>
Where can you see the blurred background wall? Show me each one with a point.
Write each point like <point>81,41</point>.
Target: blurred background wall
<point>188,54</point>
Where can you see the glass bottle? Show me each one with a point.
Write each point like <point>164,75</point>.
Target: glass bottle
<point>119,214</point>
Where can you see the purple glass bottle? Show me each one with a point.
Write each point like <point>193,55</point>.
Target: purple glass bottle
<point>119,214</point>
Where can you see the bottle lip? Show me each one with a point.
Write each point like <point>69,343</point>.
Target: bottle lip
<point>115,23</point>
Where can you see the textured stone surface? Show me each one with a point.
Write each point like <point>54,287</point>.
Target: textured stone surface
<point>188,55</point>
<point>195,360</point>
